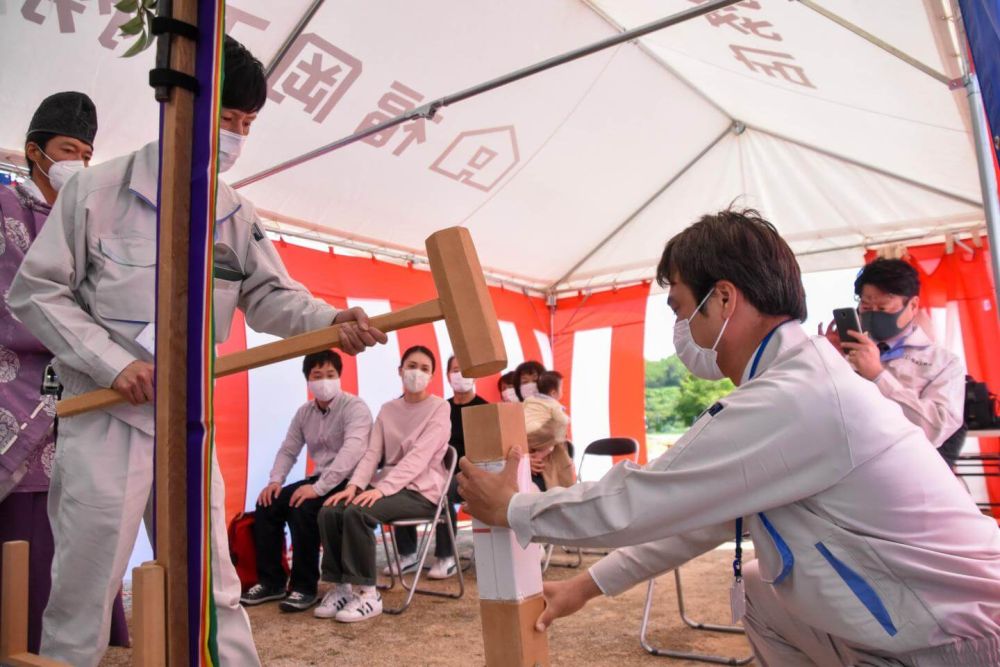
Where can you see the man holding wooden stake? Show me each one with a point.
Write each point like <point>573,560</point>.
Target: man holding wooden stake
<point>868,551</point>
<point>87,291</point>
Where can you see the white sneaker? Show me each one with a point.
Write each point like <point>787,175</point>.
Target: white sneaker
<point>443,568</point>
<point>335,600</point>
<point>408,561</point>
<point>360,608</point>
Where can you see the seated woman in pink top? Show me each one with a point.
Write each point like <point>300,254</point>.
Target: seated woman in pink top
<point>411,435</point>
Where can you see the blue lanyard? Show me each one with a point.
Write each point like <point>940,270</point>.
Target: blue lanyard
<point>738,561</point>
<point>762,347</point>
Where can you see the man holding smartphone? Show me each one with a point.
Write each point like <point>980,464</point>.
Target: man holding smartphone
<point>926,380</point>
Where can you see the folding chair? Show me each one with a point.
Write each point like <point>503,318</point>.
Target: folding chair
<point>685,655</point>
<point>441,515</point>
<point>604,447</point>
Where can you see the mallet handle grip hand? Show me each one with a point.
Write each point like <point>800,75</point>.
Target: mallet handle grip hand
<point>262,355</point>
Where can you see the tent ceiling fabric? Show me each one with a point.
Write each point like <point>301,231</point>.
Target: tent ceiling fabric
<point>843,142</point>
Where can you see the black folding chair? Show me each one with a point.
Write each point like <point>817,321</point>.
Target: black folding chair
<point>610,447</point>
<point>441,515</point>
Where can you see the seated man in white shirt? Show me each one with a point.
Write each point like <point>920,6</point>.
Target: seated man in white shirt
<point>334,426</point>
<point>926,380</point>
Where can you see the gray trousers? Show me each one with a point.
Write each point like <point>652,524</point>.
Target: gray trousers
<point>348,534</point>
<point>100,490</point>
<point>782,640</point>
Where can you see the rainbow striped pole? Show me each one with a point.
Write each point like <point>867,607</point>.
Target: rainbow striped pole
<point>189,123</point>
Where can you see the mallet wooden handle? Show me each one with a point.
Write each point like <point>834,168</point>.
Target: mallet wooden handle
<point>262,355</point>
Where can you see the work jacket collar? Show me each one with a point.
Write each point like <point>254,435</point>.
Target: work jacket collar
<point>145,179</point>
<point>784,337</point>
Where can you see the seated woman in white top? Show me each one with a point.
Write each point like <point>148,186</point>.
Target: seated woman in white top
<point>411,435</point>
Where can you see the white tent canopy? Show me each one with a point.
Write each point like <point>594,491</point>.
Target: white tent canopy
<point>574,177</point>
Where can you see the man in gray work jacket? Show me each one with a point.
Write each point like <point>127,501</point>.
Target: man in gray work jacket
<point>87,290</point>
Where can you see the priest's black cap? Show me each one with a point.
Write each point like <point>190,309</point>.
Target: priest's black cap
<point>69,114</point>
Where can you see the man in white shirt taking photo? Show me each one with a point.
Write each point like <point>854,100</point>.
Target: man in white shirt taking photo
<point>892,351</point>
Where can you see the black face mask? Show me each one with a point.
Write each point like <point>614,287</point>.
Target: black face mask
<point>882,326</point>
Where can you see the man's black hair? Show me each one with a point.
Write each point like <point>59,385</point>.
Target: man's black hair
<point>743,248</point>
<point>315,359</point>
<point>244,85</point>
<point>889,275</point>
<point>40,139</point>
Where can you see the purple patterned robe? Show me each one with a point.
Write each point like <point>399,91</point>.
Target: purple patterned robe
<point>28,456</point>
<point>26,464</point>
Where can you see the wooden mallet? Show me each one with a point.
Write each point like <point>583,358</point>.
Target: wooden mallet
<point>463,303</point>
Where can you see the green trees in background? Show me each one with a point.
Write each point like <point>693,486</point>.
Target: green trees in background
<point>675,398</point>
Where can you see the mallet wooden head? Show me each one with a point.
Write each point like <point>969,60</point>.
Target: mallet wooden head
<point>465,302</point>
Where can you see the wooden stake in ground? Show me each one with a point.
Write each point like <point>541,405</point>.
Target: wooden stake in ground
<point>509,577</point>
<point>149,632</point>
<point>14,631</point>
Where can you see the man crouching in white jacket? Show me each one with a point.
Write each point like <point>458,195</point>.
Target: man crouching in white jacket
<point>869,551</point>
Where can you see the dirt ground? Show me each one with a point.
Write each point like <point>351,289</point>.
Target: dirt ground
<point>436,631</point>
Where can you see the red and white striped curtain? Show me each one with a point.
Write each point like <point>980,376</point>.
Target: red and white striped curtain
<point>253,409</point>
<point>598,346</point>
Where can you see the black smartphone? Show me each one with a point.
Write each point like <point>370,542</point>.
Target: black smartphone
<point>846,320</point>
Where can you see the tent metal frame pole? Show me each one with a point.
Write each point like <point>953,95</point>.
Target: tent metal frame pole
<point>987,174</point>
<point>983,144</point>
<point>869,167</point>
<point>292,36</point>
<point>427,111</point>
<point>656,58</point>
<point>880,43</point>
<point>646,204</point>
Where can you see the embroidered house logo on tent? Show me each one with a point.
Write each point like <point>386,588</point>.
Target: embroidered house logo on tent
<point>480,158</point>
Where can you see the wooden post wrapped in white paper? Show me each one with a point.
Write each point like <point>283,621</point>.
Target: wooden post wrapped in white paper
<point>509,577</point>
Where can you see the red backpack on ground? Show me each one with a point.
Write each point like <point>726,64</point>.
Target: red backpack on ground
<point>243,551</point>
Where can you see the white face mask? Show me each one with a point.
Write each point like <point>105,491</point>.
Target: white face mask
<point>529,389</point>
<point>325,390</point>
<point>415,380</point>
<point>702,362</point>
<point>460,383</point>
<point>509,395</point>
<point>60,172</point>
<point>230,146</point>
